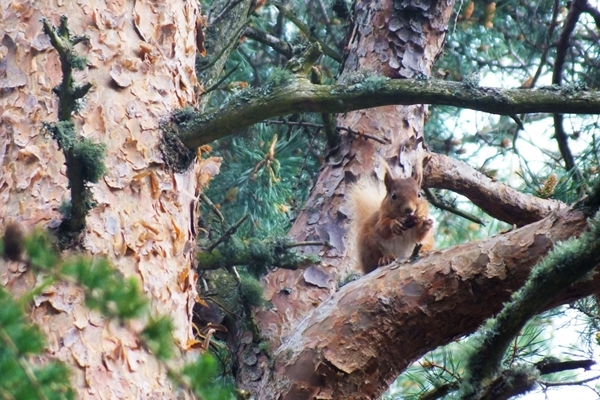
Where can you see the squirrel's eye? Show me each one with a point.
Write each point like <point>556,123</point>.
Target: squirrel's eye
<point>419,194</point>
<point>394,196</point>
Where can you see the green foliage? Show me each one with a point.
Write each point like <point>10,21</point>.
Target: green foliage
<point>19,340</point>
<point>79,62</point>
<point>202,375</point>
<point>266,174</point>
<point>63,132</point>
<point>257,255</point>
<point>106,291</point>
<point>251,291</point>
<point>234,295</point>
<point>90,158</point>
<point>280,76</point>
<point>157,336</point>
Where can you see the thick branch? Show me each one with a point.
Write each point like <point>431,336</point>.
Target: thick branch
<point>567,263</point>
<point>337,350</point>
<point>251,107</point>
<point>493,197</point>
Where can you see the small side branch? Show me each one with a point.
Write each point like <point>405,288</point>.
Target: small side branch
<point>495,198</point>
<point>576,9</point>
<point>280,46</point>
<point>442,205</point>
<point>83,158</point>
<point>308,32</point>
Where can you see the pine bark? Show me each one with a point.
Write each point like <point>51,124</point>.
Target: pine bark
<point>357,341</point>
<point>323,217</point>
<point>141,63</point>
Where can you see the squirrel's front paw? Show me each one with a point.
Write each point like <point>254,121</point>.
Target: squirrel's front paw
<point>427,224</point>
<point>397,227</point>
<point>385,260</point>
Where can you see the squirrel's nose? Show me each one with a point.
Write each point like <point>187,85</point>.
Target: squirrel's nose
<point>409,212</point>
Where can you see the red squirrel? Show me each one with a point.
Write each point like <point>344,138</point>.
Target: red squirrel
<point>388,220</point>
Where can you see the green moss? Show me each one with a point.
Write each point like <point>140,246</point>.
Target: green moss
<point>90,159</point>
<point>280,76</point>
<point>251,291</point>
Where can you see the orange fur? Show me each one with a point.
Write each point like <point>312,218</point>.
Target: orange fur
<point>388,219</point>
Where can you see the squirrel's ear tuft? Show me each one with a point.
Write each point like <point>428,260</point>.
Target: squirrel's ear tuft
<point>388,180</point>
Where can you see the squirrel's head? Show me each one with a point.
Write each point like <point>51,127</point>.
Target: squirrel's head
<point>403,195</point>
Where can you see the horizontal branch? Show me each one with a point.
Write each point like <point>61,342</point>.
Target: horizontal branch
<point>299,95</point>
<point>337,351</point>
<point>494,198</point>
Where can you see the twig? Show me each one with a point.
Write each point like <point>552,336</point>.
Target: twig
<point>320,126</point>
<point>589,9</point>
<point>575,10</point>
<point>308,32</point>
<point>440,391</point>
<point>217,56</point>
<point>571,383</point>
<point>221,306</point>
<point>247,309</point>
<point>324,11</point>
<point>549,35</point>
<point>363,135</point>
<point>546,366</point>
<point>257,81</point>
<point>228,233</point>
<point>216,85</point>
<point>518,121</point>
<point>442,205</point>
<point>307,243</point>
<point>329,124</point>
<point>212,206</point>
<point>226,9</point>
<point>280,46</point>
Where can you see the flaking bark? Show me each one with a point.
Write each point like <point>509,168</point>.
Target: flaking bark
<point>395,315</point>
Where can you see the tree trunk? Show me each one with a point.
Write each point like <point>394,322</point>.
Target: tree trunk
<point>404,47</point>
<point>141,63</point>
<point>396,39</point>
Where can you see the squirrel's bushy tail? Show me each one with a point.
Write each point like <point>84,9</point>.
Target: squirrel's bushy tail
<point>363,198</point>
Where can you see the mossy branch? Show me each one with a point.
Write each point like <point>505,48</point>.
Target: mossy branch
<point>565,264</point>
<point>257,255</point>
<point>62,40</point>
<point>300,95</point>
<point>83,158</point>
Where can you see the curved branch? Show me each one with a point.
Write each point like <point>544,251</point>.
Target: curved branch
<point>280,46</point>
<point>575,10</point>
<point>336,351</point>
<point>494,198</point>
<point>252,106</point>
